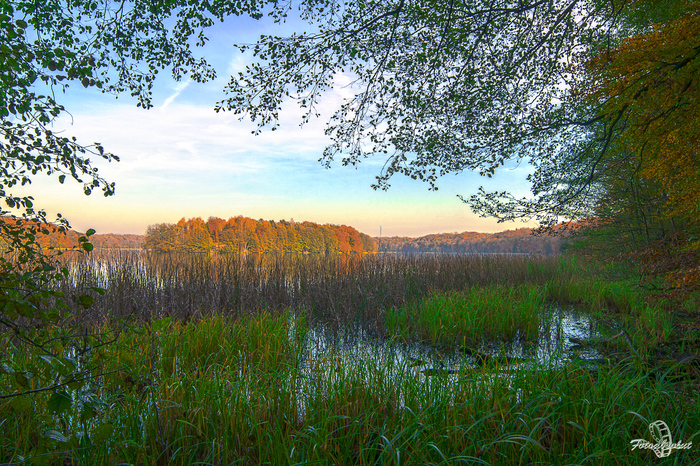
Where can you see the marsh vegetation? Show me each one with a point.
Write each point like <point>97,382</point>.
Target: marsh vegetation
<point>377,359</point>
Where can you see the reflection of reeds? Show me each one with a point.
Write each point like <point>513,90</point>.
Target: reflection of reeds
<point>334,289</point>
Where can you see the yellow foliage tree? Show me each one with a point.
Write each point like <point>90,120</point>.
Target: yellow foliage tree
<point>649,87</point>
<point>648,92</point>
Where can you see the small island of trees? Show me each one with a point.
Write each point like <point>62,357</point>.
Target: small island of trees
<point>246,235</point>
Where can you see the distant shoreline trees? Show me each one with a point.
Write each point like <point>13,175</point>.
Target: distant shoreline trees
<point>246,235</point>
<point>520,241</point>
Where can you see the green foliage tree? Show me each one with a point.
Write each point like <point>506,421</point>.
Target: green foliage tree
<point>444,87</point>
<point>45,47</point>
<point>584,91</point>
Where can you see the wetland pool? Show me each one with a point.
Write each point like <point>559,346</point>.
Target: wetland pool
<point>330,357</point>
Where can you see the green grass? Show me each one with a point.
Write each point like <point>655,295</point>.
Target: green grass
<point>501,312</point>
<point>470,316</point>
<point>240,386</point>
<point>243,392</point>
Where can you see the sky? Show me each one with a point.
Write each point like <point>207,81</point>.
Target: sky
<point>182,159</point>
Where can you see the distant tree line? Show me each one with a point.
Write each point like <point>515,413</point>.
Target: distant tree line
<point>115,241</point>
<point>511,241</point>
<point>57,237</point>
<point>246,235</point>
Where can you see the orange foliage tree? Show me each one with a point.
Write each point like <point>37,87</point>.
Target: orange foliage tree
<point>245,235</point>
<point>650,86</point>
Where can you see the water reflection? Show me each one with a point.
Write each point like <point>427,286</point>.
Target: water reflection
<point>328,357</point>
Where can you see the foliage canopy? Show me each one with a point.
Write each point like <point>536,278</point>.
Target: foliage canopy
<point>443,87</point>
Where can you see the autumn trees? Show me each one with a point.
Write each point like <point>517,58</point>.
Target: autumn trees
<point>646,94</point>
<point>245,235</point>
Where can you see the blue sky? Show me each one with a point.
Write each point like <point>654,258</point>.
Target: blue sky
<point>181,159</point>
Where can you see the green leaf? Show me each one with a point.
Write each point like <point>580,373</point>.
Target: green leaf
<point>88,411</point>
<point>90,232</point>
<point>87,247</point>
<point>57,345</point>
<point>98,290</point>
<point>52,315</point>
<point>69,363</point>
<point>76,385</point>
<point>39,456</point>
<point>86,300</point>
<point>59,402</point>
<point>21,404</point>
<point>46,267</point>
<point>64,366</point>
<point>102,433</point>
<point>22,380</point>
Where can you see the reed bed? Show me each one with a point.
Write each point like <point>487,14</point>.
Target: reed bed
<point>443,299</point>
<point>334,289</point>
<point>468,317</point>
<point>247,392</point>
<point>515,312</point>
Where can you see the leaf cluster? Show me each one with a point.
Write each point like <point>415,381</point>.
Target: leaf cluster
<point>438,87</point>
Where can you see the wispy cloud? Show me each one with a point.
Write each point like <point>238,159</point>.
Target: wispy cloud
<point>179,89</point>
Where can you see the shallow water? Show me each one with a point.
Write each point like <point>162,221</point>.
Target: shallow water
<point>327,356</point>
